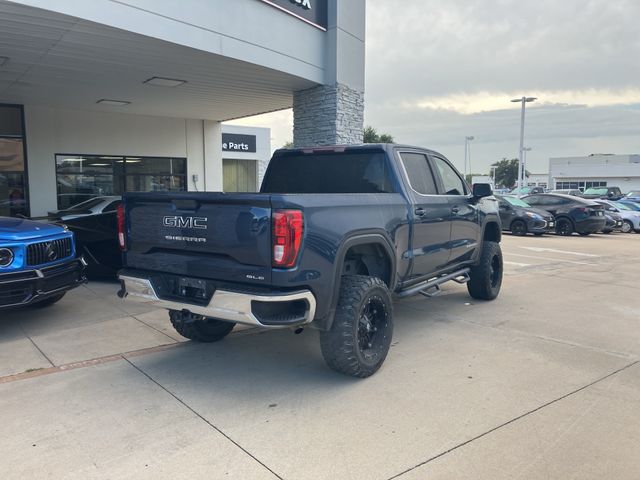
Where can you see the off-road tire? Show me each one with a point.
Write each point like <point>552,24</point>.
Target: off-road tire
<point>49,301</point>
<point>360,336</point>
<point>485,279</point>
<point>199,328</point>
<point>564,227</point>
<point>519,228</point>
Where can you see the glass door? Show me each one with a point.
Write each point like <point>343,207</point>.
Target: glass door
<point>13,181</point>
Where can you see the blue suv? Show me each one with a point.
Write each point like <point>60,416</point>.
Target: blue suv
<point>38,263</point>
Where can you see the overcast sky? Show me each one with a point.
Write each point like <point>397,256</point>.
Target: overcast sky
<point>439,71</point>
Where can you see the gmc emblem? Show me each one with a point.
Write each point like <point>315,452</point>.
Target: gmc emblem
<point>199,223</point>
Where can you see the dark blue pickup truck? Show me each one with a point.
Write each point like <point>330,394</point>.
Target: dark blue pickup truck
<point>334,233</point>
<point>38,263</point>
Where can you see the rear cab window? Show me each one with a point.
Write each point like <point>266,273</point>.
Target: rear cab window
<point>358,171</point>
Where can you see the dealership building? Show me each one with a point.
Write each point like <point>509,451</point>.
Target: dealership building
<point>597,170</point>
<point>104,97</point>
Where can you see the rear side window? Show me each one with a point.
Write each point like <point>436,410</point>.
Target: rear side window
<point>348,172</point>
<point>419,173</point>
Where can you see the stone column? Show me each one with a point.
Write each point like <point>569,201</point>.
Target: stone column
<point>333,113</point>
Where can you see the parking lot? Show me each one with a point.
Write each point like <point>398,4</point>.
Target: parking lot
<point>544,382</point>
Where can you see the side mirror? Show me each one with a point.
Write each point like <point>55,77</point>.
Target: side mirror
<point>481,190</point>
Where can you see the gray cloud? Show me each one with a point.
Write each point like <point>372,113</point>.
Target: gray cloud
<point>427,49</point>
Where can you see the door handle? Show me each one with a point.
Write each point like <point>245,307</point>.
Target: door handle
<point>455,209</point>
<point>420,211</point>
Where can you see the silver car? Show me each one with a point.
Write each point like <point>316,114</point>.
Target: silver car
<point>630,217</point>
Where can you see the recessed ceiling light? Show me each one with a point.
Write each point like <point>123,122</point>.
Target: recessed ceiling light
<point>164,82</point>
<point>114,103</point>
<point>3,60</point>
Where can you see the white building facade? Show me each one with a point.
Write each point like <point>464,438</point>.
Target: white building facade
<point>105,97</point>
<point>600,170</point>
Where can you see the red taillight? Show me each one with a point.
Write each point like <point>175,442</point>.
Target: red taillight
<point>288,226</point>
<point>121,228</point>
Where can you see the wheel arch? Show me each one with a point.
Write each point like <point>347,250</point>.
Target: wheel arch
<point>491,231</point>
<point>367,246</point>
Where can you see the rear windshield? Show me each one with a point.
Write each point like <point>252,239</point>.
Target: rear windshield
<point>348,172</point>
<point>595,191</point>
<point>516,202</point>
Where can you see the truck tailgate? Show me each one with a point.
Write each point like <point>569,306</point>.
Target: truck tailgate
<point>217,236</point>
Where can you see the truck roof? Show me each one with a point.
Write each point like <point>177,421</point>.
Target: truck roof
<point>362,146</point>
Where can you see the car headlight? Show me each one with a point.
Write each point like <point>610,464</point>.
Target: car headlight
<point>533,215</point>
<point>6,257</point>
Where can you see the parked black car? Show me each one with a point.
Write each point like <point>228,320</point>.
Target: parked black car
<point>520,218</point>
<point>614,222</point>
<point>97,241</point>
<point>573,214</point>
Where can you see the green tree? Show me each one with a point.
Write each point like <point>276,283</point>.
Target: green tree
<point>506,172</point>
<point>289,144</point>
<point>371,136</point>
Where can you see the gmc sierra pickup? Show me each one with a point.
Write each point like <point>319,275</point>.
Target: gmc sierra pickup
<point>333,235</point>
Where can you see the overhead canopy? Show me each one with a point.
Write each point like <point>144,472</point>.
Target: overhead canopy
<point>57,60</point>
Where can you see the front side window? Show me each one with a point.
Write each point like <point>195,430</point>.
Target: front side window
<point>453,184</point>
<point>419,173</point>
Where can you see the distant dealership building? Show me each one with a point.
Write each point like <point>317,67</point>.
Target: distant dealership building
<point>105,97</point>
<point>598,170</point>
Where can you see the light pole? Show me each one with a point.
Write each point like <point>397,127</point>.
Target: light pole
<point>492,174</point>
<point>467,155</point>
<point>524,162</point>
<point>523,100</point>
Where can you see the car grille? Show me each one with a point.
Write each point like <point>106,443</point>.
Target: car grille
<point>47,252</point>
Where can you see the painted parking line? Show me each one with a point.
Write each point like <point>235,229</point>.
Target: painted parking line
<point>566,252</point>
<point>559,260</point>
<point>517,264</point>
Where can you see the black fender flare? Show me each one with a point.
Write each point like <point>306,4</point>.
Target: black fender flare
<point>375,237</point>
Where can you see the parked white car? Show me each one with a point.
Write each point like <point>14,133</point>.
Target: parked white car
<point>630,217</point>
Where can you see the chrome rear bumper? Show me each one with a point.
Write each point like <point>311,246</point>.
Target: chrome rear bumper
<point>224,305</point>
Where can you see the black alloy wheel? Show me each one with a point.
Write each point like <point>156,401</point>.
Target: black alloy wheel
<point>564,227</point>
<point>372,325</point>
<point>519,228</point>
<point>199,328</point>
<point>485,278</point>
<point>360,337</point>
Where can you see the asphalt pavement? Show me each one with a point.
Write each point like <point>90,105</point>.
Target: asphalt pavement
<point>544,382</point>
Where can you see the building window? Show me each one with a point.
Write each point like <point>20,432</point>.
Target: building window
<point>13,182</point>
<point>240,175</point>
<point>579,185</point>
<point>81,177</point>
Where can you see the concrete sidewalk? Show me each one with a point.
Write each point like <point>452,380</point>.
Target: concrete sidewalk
<point>542,383</point>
